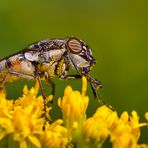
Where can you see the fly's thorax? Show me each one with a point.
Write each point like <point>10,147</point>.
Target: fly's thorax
<point>56,54</point>
<point>47,69</point>
<point>61,67</point>
<point>52,68</point>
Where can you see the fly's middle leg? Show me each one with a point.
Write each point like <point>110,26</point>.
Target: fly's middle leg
<point>46,115</point>
<point>42,91</point>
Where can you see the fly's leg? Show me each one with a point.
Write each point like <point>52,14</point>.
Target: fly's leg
<point>15,74</point>
<point>43,94</point>
<point>45,115</point>
<point>70,77</point>
<point>25,76</point>
<point>95,85</point>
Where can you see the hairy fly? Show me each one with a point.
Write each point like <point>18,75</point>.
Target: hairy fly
<point>50,58</point>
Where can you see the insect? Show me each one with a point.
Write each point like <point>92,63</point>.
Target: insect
<point>50,58</point>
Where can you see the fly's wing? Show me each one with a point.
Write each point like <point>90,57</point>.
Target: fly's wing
<point>45,45</point>
<point>43,51</point>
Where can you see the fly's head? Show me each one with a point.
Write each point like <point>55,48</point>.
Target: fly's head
<point>82,60</point>
<point>80,55</point>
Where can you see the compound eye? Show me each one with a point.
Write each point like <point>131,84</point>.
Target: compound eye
<point>74,45</point>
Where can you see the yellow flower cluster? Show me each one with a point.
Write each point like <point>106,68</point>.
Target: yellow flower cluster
<point>22,123</point>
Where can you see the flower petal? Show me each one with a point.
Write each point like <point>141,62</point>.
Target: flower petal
<point>35,141</point>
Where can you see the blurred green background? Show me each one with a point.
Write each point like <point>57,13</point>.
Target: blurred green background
<point>117,31</point>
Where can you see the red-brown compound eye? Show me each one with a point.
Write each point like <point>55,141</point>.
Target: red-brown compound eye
<point>74,45</point>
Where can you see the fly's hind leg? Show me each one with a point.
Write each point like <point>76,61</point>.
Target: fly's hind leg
<point>25,76</point>
<point>10,72</point>
<point>42,91</point>
<point>46,115</point>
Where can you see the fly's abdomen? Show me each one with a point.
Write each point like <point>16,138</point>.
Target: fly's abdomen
<point>15,68</point>
<point>2,65</point>
<point>3,71</point>
<point>19,64</point>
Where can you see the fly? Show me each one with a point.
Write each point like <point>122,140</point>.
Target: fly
<point>50,58</point>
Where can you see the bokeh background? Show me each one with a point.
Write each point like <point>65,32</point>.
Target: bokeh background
<point>117,31</point>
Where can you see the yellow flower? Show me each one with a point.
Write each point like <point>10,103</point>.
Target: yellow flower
<point>23,122</point>
<point>55,135</point>
<point>74,105</point>
<point>126,132</point>
<point>96,128</point>
<point>23,119</point>
<point>6,106</point>
<point>146,116</point>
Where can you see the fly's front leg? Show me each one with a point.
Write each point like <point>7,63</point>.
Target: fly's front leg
<point>95,85</point>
